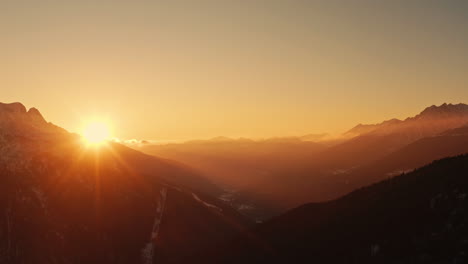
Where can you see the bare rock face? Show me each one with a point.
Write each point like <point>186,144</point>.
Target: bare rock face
<point>16,121</point>
<point>445,110</point>
<point>12,108</point>
<point>17,112</point>
<point>36,115</point>
<point>11,112</point>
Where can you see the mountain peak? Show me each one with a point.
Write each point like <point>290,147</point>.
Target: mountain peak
<point>391,121</point>
<point>12,108</point>
<point>16,120</point>
<point>35,114</point>
<point>451,115</point>
<point>444,110</point>
<point>16,112</point>
<point>360,129</point>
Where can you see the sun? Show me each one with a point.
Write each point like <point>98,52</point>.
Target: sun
<point>96,133</point>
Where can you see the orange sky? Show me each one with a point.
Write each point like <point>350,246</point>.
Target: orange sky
<point>180,70</point>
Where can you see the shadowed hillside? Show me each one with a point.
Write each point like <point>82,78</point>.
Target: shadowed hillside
<point>418,217</point>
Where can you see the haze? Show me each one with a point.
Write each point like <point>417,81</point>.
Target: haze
<point>184,70</point>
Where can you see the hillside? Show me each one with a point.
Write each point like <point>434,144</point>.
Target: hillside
<point>62,201</point>
<point>420,217</point>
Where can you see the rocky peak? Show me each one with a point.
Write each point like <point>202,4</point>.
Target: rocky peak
<point>448,116</point>
<point>12,108</point>
<point>444,110</point>
<point>360,129</point>
<point>16,112</point>
<point>35,114</point>
<point>392,121</point>
<point>15,120</point>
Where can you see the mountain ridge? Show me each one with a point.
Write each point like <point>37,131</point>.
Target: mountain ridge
<point>432,112</point>
<point>64,202</point>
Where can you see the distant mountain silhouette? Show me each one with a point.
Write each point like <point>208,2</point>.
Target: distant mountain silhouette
<point>361,129</point>
<point>376,141</point>
<point>444,111</point>
<point>62,202</point>
<point>420,217</point>
<point>448,116</point>
<point>315,137</point>
<point>282,173</point>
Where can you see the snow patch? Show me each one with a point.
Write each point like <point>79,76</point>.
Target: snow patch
<point>147,253</point>
<point>397,172</point>
<point>245,207</point>
<point>226,197</point>
<point>40,197</point>
<point>339,171</point>
<point>205,203</point>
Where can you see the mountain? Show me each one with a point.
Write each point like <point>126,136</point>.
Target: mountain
<point>393,147</point>
<point>64,202</point>
<point>444,111</point>
<point>14,119</point>
<point>446,115</point>
<point>315,137</point>
<point>282,173</point>
<point>242,167</point>
<point>377,141</point>
<point>449,143</point>
<point>361,129</point>
<point>419,217</point>
<point>381,151</point>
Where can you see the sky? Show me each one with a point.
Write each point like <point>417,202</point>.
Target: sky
<point>245,68</point>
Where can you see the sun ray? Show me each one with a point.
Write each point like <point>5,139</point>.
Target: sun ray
<point>131,171</point>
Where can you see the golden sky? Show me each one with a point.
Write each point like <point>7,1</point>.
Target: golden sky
<point>255,68</point>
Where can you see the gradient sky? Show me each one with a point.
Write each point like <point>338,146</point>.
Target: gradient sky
<point>198,69</point>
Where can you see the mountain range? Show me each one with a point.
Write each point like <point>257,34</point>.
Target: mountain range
<point>360,199</point>
<point>279,174</point>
